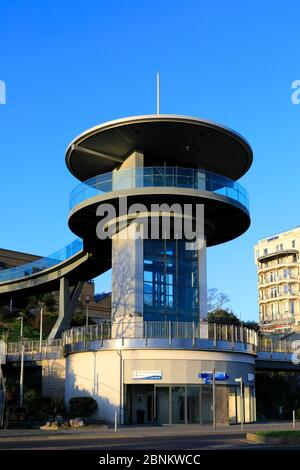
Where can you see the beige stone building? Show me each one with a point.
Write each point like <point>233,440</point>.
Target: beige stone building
<point>278,269</point>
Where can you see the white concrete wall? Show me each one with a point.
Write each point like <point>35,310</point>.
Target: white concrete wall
<point>97,375</point>
<point>101,374</point>
<point>127,274</point>
<point>127,252</point>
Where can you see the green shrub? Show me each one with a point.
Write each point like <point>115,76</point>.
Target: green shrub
<point>82,406</point>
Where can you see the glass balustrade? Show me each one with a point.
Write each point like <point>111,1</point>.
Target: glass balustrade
<point>175,177</point>
<point>41,264</point>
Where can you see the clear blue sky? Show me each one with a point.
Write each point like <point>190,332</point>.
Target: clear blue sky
<point>69,65</point>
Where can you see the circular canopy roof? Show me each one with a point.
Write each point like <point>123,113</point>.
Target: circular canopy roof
<point>186,140</point>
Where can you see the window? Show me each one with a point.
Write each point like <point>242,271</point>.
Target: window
<point>265,251</point>
<point>293,243</point>
<point>273,292</point>
<point>286,289</point>
<point>286,273</point>
<point>170,281</point>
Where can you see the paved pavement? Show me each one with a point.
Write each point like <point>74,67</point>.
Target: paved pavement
<point>137,437</point>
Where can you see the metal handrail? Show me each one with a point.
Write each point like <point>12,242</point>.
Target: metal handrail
<point>230,334</point>
<point>156,176</point>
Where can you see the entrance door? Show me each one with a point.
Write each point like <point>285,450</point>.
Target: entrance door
<point>149,406</point>
<point>206,405</point>
<point>178,405</point>
<point>162,395</point>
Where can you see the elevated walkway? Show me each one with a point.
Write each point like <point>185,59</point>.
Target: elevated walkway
<point>64,271</point>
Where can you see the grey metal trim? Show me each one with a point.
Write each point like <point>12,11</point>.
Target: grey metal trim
<point>149,191</point>
<point>97,154</point>
<point>159,118</point>
<point>275,254</point>
<point>161,343</point>
<point>156,117</point>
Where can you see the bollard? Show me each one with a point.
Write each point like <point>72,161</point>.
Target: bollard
<point>116,421</point>
<point>294,419</point>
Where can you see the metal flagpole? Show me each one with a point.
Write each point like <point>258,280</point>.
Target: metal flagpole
<point>157,93</point>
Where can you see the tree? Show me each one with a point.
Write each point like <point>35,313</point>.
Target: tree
<point>216,300</point>
<point>79,319</point>
<point>223,317</point>
<point>47,299</point>
<point>252,325</point>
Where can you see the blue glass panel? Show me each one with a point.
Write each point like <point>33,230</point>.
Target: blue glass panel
<point>174,287</point>
<point>158,177</point>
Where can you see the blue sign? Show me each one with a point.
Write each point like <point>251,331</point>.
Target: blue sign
<point>221,376</point>
<point>208,376</point>
<point>205,375</point>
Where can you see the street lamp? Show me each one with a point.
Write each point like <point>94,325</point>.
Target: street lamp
<point>21,325</point>
<point>87,301</point>
<point>21,318</point>
<point>240,381</point>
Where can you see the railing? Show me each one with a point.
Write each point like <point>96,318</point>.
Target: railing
<point>152,330</point>
<point>278,295</point>
<point>35,346</point>
<point>145,330</point>
<point>163,330</point>
<point>275,345</point>
<point>263,267</point>
<point>286,278</point>
<point>41,264</point>
<point>159,177</point>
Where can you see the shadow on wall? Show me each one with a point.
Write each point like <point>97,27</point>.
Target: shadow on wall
<point>90,385</point>
<point>124,277</point>
<point>53,379</point>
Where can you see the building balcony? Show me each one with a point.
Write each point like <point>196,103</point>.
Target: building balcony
<point>226,201</point>
<point>284,264</point>
<point>155,176</point>
<point>276,254</point>
<point>288,295</point>
<point>280,280</point>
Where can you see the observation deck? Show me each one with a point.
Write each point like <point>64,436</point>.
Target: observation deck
<point>182,140</point>
<point>226,201</point>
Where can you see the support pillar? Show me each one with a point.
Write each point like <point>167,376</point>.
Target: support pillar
<point>203,291</point>
<point>67,303</point>
<point>128,261</point>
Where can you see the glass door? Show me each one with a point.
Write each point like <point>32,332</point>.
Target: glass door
<point>162,399</point>
<point>178,405</point>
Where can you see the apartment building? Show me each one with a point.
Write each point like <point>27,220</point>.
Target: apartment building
<point>278,270</point>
